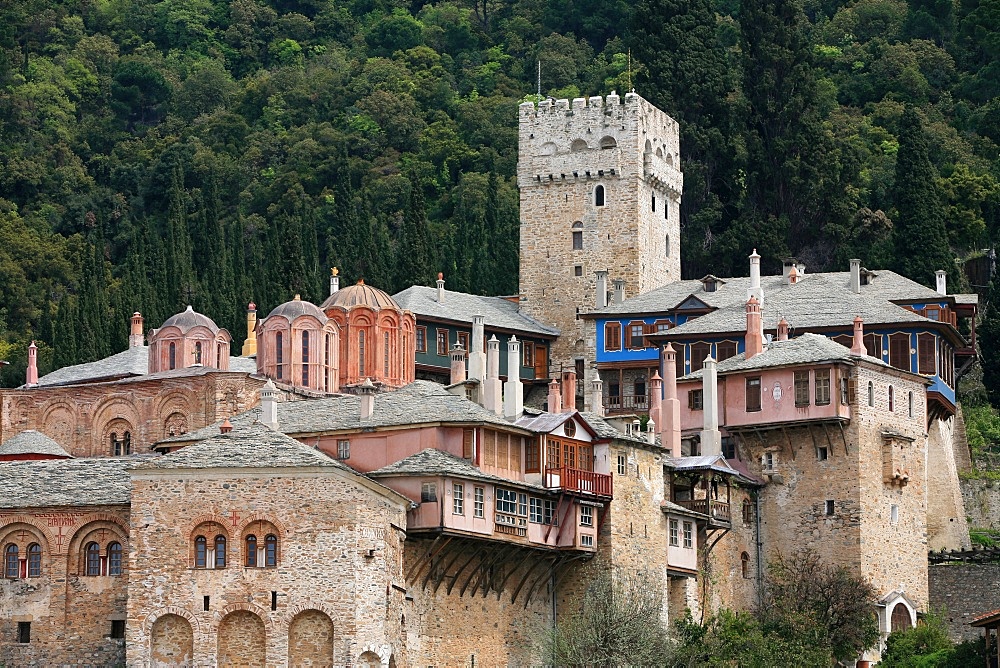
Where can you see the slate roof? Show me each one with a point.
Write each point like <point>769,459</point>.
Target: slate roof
<point>438,462</point>
<point>967,299</point>
<point>250,446</point>
<point>31,442</point>
<point>498,313</point>
<point>361,295</point>
<point>65,482</point>
<point>294,308</point>
<point>806,348</point>
<point>420,402</point>
<point>131,363</point>
<point>189,319</point>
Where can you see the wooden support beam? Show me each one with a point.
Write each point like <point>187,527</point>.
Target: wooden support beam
<point>531,588</point>
<point>458,551</point>
<point>843,437</point>
<point>527,554</point>
<point>543,560</point>
<point>419,566</point>
<point>475,553</point>
<point>826,432</point>
<point>791,448</point>
<point>484,567</point>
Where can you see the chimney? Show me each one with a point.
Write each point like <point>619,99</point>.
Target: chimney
<point>135,338</point>
<point>755,290</point>
<point>670,407</point>
<point>856,276</point>
<point>269,405</point>
<point>597,391</point>
<point>568,391</point>
<point>783,330</point>
<point>477,358</point>
<point>858,345</point>
<point>225,427</point>
<point>941,281</point>
<point>457,364</point>
<point>800,270</point>
<point>32,374</point>
<point>655,398</point>
<point>367,393</point>
<point>711,440</point>
<point>440,284</point>
<point>618,296</point>
<point>651,430</point>
<point>754,343</point>
<point>786,267</point>
<point>334,280</point>
<point>793,276</point>
<point>602,288</point>
<point>554,404</point>
<point>491,389</point>
<point>250,344</point>
<point>513,391</point>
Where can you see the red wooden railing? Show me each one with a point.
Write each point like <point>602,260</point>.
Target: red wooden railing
<point>578,480</point>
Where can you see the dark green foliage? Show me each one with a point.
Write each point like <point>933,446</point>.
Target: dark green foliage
<point>927,646</point>
<point>921,241</point>
<point>989,342</point>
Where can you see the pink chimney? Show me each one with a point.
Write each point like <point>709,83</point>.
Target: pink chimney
<point>754,342</point>
<point>568,391</point>
<point>457,364</point>
<point>783,330</point>
<point>670,407</point>
<point>554,404</point>
<point>858,346</point>
<point>135,338</point>
<point>32,375</point>
<point>655,397</point>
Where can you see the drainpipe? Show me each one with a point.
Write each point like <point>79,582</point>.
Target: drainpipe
<point>760,547</point>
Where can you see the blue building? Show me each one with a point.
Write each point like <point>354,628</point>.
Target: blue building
<point>908,325</point>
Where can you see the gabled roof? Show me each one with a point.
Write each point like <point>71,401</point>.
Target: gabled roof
<point>459,307</point>
<point>702,462</point>
<point>251,446</point>
<point>65,482</point>
<point>31,442</point>
<point>544,423</point>
<point>433,462</point>
<point>806,348</point>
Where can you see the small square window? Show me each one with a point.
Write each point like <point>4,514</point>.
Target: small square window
<point>458,499</point>
<point>578,270</point>
<point>621,465</point>
<point>822,453</point>
<point>118,628</point>
<point>478,503</point>
<point>674,533</point>
<point>586,516</point>
<point>428,492</point>
<point>829,507</point>
<point>688,535</point>
<point>24,632</point>
<point>894,514</point>
<point>343,449</point>
<point>696,399</point>
<point>586,540</point>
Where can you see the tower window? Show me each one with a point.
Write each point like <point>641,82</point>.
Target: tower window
<point>578,270</point>
<point>653,202</point>
<point>578,235</point>
<point>829,509</point>
<point>197,352</point>
<point>385,354</point>
<point>278,353</point>
<point>305,358</point>
<point>172,354</point>
<point>599,196</point>
<point>666,245</point>
<point>361,353</point>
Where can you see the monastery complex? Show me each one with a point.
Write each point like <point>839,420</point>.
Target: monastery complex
<point>434,478</point>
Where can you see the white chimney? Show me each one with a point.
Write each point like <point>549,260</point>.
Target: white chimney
<point>856,276</point>
<point>513,391</point>
<point>492,388</point>
<point>477,358</point>
<point>269,405</point>
<point>597,394</point>
<point>366,391</point>
<point>602,288</point>
<point>651,431</point>
<point>618,296</point>
<point>440,285</point>
<point>711,439</point>
<point>941,279</point>
<point>334,280</point>
<point>755,290</point>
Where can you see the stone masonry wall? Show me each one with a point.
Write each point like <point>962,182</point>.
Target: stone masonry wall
<point>340,554</point>
<point>960,592</point>
<point>70,613</point>
<point>947,527</point>
<point>982,503</point>
<point>80,417</point>
<point>561,163</point>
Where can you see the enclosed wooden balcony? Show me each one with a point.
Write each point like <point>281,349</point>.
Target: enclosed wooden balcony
<point>627,403</point>
<point>578,480</point>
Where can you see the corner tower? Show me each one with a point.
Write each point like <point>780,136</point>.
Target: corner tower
<point>600,186</point>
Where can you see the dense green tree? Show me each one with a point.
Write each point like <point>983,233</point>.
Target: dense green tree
<point>920,237</point>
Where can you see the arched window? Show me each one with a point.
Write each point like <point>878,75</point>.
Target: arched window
<point>93,552</point>
<point>34,560</point>
<point>892,396</point>
<point>279,353</point>
<point>197,352</point>
<point>871,393</point>
<point>200,552</point>
<point>220,551</point>
<point>361,353</point>
<point>305,359</point>
<point>11,565</point>
<point>745,565</point>
<point>599,196</point>
<point>385,354</point>
<point>271,550</point>
<point>578,235</point>
<point>121,446</point>
<point>666,245</point>
<point>251,550</point>
<point>578,145</point>
<point>172,353</point>
<point>114,558</point>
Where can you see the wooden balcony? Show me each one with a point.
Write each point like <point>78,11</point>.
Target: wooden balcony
<point>578,480</point>
<point>717,511</point>
<point>627,403</point>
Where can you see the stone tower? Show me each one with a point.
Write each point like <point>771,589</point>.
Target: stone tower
<point>600,186</point>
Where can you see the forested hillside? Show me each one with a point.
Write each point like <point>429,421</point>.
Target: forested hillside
<point>154,154</point>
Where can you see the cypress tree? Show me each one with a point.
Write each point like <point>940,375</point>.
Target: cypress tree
<point>413,266</point>
<point>989,342</point>
<point>920,235</point>
<point>64,334</point>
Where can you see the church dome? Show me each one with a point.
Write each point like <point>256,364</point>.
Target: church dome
<point>189,319</point>
<point>291,310</point>
<point>361,295</point>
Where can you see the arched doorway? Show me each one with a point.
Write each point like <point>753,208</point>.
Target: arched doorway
<point>171,642</point>
<point>900,620</point>
<point>310,640</point>
<point>241,640</point>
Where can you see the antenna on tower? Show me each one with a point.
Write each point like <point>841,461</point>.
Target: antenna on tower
<point>630,71</point>
<point>539,80</point>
